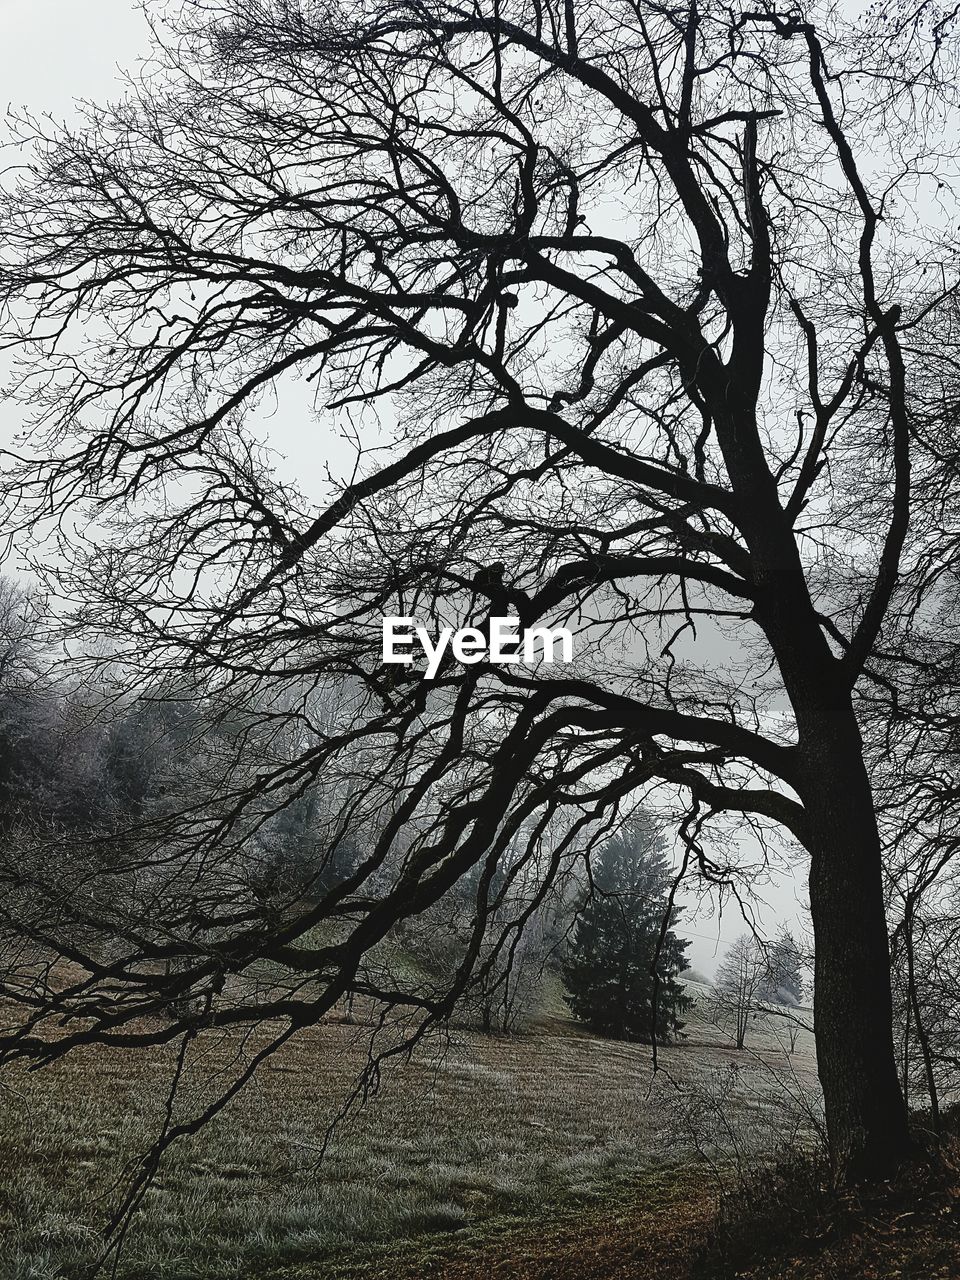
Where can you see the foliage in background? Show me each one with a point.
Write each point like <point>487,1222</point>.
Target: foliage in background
<point>622,969</point>
<point>753,974</point>
<point>783,976</point>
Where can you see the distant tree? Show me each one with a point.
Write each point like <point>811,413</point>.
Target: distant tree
<point>510,976</point>
<point>149,743</point>
<point>24,705</point>
<point>783,979</point>
<point>525,929</point>
<point>739,984</point>
<point>622,968</point>
<point>293,857</point>
<point>925,955</point>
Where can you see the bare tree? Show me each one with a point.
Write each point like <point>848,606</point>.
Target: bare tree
<point>926,968</point>
<point>636,285</point>
<point>738,986</point>
<point>911,730</point>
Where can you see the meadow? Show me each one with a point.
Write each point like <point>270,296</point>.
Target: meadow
<point>471,1133</point>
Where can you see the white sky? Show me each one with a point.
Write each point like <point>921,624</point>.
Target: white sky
<point>54,52</point>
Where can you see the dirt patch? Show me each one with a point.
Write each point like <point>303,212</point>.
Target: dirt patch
<point>653,1234</point>
<point>669,1232</point>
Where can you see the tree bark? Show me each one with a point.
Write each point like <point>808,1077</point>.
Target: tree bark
<point>865,1110</point>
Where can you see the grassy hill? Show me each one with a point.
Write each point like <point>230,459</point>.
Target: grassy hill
<point>469,1134</point>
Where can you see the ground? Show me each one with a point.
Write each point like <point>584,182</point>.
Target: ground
<point>475,1150</point>
<point>552,1155</point>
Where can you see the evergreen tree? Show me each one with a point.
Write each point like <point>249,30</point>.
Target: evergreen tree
<point>783,980</point>
<point>617,967</point>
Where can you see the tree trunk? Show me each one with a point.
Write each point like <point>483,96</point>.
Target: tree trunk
<point>923,1040</point>
<point>866,1115</point>
<point>865,1110</point>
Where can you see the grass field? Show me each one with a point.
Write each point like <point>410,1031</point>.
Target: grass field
<point>470,1134</point>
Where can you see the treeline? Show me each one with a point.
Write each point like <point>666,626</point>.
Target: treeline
<point>601,943</point>
<point>64,763</point>
<point>90,767</point>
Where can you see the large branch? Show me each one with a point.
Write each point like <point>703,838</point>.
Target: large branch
<point>611,568</point>
<point>628,714</point>
<point>761,801</point>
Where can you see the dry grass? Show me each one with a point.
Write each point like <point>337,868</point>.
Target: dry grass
<point>469,1130</point>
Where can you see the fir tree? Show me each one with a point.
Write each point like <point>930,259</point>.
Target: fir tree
<point>617,967</point>
<point>783,981</point>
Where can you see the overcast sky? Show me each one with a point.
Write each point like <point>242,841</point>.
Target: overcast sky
<point>54,52</point>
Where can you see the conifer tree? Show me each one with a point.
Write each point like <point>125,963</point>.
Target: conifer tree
<point>783,981</point>
<point>621,971</point>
